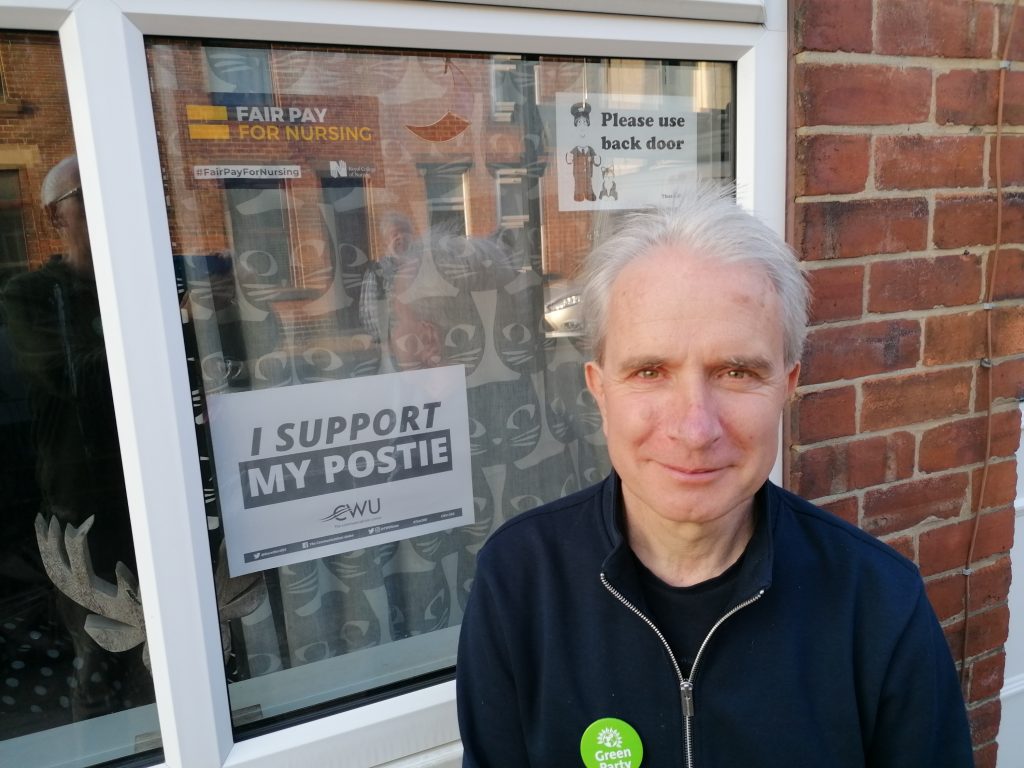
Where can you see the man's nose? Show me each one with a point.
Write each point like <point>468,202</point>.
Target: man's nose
<point>693,415</point>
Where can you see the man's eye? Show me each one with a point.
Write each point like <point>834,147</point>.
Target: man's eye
<point>741,375</point>
<point>647,373</point>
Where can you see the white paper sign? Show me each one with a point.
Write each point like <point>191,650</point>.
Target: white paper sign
<point>622,151</point>
<point>309,471</point>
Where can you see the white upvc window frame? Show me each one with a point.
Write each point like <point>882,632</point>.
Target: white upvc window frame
<point>112,114</point>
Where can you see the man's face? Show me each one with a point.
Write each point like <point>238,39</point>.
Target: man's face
<point>67,214</point>
<point>691,386</point>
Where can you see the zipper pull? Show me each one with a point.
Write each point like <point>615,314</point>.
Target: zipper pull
<point>687,690</point>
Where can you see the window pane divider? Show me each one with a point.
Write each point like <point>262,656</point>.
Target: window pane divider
<point>108,90</point>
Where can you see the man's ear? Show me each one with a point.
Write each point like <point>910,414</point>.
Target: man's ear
<point>792,378</point>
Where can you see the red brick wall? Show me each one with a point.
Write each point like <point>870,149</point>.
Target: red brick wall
<point>893,177</point>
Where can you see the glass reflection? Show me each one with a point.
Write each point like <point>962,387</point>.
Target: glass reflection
<point>75,687</point>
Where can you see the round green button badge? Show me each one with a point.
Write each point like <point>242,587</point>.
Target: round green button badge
<point>611,743</point>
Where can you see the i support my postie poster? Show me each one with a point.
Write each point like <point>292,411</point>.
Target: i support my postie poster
<point>309,471</point>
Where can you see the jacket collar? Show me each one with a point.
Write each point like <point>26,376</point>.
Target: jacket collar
<point>755,573</point>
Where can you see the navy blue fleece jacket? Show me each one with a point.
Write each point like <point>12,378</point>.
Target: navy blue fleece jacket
<point>835,660</point>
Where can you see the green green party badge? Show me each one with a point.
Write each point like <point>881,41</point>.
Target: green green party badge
<point>611,743</point>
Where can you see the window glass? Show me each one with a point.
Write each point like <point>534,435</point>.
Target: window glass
<point>377,270</point>
<point>75,688</point>
<point>13,248</point>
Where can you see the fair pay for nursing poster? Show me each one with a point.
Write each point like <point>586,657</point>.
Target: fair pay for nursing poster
<point>314,470</point>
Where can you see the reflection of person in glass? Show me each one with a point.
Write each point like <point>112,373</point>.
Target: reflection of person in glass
<point>432,322</point>
<point>396,237</point>
<point>57,337</point>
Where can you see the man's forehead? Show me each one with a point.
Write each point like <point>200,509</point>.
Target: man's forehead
<point>673,286</point>
<point>685,257</point>
<point>666,265</point>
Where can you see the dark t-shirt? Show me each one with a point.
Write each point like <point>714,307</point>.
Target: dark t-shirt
<point>685,615</point>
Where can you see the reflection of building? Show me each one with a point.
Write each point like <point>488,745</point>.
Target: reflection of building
<point>386,146</point>
<point>31,143</point>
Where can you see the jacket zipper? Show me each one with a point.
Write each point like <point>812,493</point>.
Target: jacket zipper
<point>685,684</point>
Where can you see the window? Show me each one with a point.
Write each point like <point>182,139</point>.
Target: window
<point>259,231</point>
<point>445,197</point>
<point>13,247</point>
<point>505,92</point>
<point>238,75</point>
<point>388,345</point>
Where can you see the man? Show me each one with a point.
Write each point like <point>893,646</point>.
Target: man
<point>686,611</point>
<point>57,337</point>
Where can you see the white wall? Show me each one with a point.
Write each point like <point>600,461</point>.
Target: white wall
<point>1011,728</point>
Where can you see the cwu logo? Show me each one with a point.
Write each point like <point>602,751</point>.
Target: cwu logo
<point>353,513</point>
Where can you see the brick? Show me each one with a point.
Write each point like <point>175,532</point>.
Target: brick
<point>990,585</point>
<point>1011,159</point>
<point>1008,330</point>
<point>1000,487</point>
<point>984,719</point>
<point>946,594</point>
<point>987,676</point>
<point>831,165</point>
<point>917,397</point>
<point>954,338</point>
<point>832,469</point>
<point>962,442</point>
<point>834,354</point>
<point>836,294</point>
<point>968,97</point>
<point>986,632</point>
<point>848,228</point>
<point>985,755</point>
<point>845,508</point>
<point>861,94</point>
<point>923,162</point>
<point>1008,380</point>
<point>817,416</point>
<point>878,460</point>
<point>904,505</point>
<point>945,548</point>
<point>902,544</point>
<point>843,26</point>
<point>1016,52</point>
<point>950,28</point>
<point>900,284</point>
<point>1009,279</point>
<point>971,220</point>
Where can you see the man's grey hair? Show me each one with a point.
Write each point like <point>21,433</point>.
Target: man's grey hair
<point>703,220</point>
